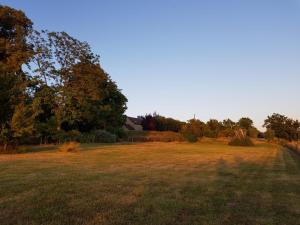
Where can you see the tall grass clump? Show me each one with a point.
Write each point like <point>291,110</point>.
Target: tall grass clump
<point>241,139</point>
<point>70,147</point>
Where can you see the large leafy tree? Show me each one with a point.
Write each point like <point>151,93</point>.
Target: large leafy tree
<point>246,124</point>
<point>64,86</point>
<point>85,96</point>
<point>91,100</point>
<point>15,51</point>
<point>284,127</point>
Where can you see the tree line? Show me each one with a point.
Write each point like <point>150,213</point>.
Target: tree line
<point>52,85</point>
<point>53,89</point>
<point>277,126</point>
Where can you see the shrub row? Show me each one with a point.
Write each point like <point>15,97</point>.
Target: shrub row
<point>150,136</point>
<point>96,136</point>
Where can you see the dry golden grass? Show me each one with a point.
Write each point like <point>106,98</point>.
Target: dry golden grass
<point>152,183</point>
<point>70,147</point>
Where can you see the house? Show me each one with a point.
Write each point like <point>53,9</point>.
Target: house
<point>133,124</point>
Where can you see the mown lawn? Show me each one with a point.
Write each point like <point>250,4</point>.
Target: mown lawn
<point>152,183</point>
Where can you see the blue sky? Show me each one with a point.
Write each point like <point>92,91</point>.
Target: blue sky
<point>213,58</point>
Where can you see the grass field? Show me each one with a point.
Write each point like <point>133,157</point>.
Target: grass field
<point>152,183</point>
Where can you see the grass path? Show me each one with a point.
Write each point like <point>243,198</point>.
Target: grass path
<point>152,183</point>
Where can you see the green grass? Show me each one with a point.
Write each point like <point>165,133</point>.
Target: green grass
<point>152,183</point>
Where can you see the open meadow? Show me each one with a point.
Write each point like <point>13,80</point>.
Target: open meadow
<point>152,183</point>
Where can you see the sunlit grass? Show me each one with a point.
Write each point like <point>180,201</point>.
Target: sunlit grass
<point>152,183</point>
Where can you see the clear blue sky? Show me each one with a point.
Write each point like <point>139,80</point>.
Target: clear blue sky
<point>213,58</point>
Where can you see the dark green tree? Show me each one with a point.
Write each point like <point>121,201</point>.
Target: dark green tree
<point>15,52</point>
<point>85,96</point>
<point>284,127</point>
<point>245,123</point>
<point>194,127</point>
<point>229,124</point>
<point>228,128</point>
<point>63,88</point>
<point>213,128</point>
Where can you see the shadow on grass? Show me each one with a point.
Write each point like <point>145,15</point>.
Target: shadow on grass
<point>95,146</point>
<point>239,195</point>
<point>259,193</point>
<point>295,156</point>
<point>34,148</point>
<point>53,147</point>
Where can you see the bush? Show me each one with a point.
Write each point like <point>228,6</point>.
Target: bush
<point>194,127</point>
<point>29,140</point>
<point>102,136</point>
<point>227,133</point>
<point>156,122</point>
<point>148,136</point>
<point>97,136</point>
<point>87,138</point>
<point>73,135</point>
<point>190,137</point>
<point>121,134</point>
<point>241,141</point>
<point>60,136</point>
<point>211,133</point>
<point>70,147</point>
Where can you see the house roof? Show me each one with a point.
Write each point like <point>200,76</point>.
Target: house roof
<point>129,127</point>
<point>137,121</point>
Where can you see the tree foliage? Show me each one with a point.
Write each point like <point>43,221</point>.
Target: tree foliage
<point>157,122</point>
<point>245,123</point>
<point>52,83</point>
<point>213,128</point>
<point>194,127</point>
<point>15,52</point>
<point>269,134</point>
<point>283,127</point>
